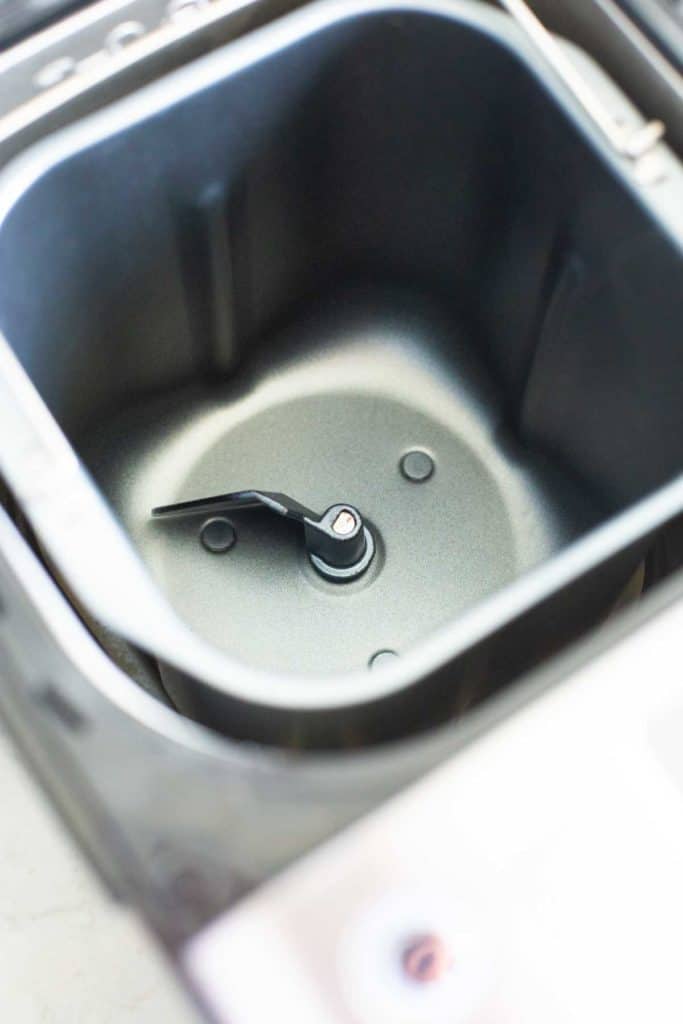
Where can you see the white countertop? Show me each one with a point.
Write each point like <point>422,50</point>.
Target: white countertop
<point>68,953</point>
<point>548,856</point>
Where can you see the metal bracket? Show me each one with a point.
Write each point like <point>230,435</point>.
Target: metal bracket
<point>627,141</point>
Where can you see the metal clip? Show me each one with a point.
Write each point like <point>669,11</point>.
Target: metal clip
<point>630,142</point>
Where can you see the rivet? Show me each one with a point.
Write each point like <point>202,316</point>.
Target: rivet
<point>178,9</point>
<point>217,535</point>
<point>123,35</point>
<point>54,72</point>
<point>417,466</point>
<point>382,659</point>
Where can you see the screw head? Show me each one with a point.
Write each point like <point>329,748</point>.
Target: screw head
<point>417,466</point>
<point>426,958</point>
<point>217,535</point>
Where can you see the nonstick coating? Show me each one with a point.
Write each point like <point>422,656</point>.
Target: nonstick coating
<point>365,228</point>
